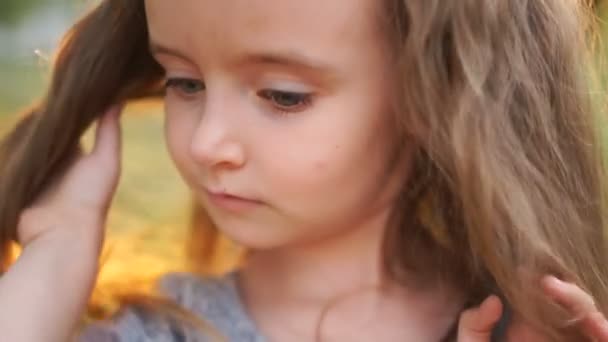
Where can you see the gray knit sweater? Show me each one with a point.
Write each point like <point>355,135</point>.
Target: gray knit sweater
<point>214,299</point>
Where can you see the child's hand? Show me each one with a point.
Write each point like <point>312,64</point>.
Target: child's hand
<point>43,294</point>
<point>75,207</point>
<point>476,324</point>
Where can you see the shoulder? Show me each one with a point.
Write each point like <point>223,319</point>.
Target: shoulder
<point>200,293</point>
<point>213,299</point>
<point>130,324</point>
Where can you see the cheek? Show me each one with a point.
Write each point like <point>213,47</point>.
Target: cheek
<point>332,165</point>
<point>332,168</point>
<point>332,191</point>
<point>179,129</point>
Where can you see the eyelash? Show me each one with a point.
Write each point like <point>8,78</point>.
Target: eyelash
<point>304,100</point>
<point>178,83</point>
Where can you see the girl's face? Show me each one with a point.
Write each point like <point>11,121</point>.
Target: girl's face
<point>278,115</point>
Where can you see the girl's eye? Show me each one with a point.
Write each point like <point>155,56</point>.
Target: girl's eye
<point>286,101</point>
<point>185,86</point>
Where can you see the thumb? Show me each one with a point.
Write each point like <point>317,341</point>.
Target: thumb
<point>107,136</point>
<point>475,325</point>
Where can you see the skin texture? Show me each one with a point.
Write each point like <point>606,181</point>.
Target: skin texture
<point>304,161</point>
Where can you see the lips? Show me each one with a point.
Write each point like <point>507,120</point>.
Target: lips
<point>231,202</point>
<point>226,195</point>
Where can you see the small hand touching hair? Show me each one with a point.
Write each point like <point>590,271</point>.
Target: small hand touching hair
<point>477,324</point>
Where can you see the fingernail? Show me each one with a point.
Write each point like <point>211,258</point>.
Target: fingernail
<point>556,281</point>
<point>553,282</point>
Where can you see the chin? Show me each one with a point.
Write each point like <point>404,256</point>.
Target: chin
<point>252,236</point>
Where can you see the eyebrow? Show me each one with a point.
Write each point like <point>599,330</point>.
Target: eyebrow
<point>159,49</point>
<point>283,59</point>
<point>315,70</point>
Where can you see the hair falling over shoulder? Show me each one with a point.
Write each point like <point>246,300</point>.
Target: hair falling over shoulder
<point>508,183</point>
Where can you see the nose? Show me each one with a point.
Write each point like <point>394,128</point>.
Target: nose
<point>215,141</point>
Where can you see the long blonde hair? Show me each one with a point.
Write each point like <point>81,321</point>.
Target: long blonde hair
<point>509,177</point>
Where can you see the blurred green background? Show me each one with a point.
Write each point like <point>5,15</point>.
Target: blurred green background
<point>147,222</point>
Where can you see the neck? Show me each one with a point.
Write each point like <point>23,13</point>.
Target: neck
<point>342,273</point>
<point>321,270</point>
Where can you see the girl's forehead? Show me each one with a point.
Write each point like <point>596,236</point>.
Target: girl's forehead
<point>239,24</point>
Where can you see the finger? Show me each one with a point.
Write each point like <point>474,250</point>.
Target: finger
<point>595,326</point>
<point>568,295</point>
<point>476,324</point>
<point>107,136</point>
<point>580,304</point>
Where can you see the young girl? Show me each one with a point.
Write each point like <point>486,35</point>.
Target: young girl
<point>389,165</point>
